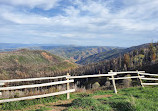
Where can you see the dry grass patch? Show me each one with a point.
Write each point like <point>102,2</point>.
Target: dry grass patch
<point>101,96</point>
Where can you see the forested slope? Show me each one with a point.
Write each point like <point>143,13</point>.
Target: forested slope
<point>135,58</point>
<point>109,54</point>
<point>32,63</point>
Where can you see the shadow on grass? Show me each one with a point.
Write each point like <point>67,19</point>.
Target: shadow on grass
<point>63,105</point>
<point>122,106</point>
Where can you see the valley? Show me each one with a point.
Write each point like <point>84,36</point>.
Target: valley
<point>77,59</point>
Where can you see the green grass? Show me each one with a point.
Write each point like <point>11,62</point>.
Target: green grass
<point>129,99</point>
<point>23,104</point>
<point>87,104</point>
<point>43,109</point>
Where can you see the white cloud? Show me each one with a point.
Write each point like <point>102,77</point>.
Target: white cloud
<point>98,16</point>
<point>83,19</point>
<point>44,4</point>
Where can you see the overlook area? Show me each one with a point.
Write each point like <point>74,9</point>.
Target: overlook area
<point>78,55</point>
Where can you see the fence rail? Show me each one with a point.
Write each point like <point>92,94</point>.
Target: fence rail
<point>31,79</point>
<point>37,96</point>
<point>70,79</point>
<point>125,77</point>
<point>67,91</point>
<point>150,79</point>
<point>88,76</point>
<point>35,85</point>
<point>150,84</point>
<point>127,72</point>
<point>1,84</point>
<point>148,74</point>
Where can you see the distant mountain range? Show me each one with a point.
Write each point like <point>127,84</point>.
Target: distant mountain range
<point>15,46</point>
<point>70,52</point>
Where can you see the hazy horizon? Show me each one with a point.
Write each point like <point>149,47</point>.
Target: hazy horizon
<point>36,44</point>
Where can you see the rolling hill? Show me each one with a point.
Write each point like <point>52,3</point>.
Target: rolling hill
<point>99,57</point>
<point>32,63</point>
<point>109,54</point>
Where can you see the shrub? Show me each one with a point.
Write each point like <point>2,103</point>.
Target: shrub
<point>107,84</point>
<point>96,85</point>
<point>127,82</point>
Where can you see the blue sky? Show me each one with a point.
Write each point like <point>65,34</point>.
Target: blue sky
<point>79,22</point>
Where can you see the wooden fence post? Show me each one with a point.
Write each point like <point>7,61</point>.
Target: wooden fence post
<point>99,73</point>
<point>1,84</point>
<point>140,79</point>
<point>113,81</point>
<point>68,87</point>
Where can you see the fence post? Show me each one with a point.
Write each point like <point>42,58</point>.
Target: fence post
<point>68,87</point>
<point>140,79</point>
<point>113,81</point>
<point>1,84</point>
<point>99,73</point>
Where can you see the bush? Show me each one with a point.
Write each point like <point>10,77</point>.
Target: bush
<point>96,85</point>
<point>107,84</point>
<point>127,82</point>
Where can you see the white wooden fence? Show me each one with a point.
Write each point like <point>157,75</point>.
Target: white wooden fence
<point>151,79</point>
<point>3,82</point>
<point>70,79</point>
<point>141,76</point>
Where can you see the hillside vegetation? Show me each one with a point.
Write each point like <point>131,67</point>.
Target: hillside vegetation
<point>143,57</point>
<point>109,54</point>
<point>28,63</point>
<point>99,57</point>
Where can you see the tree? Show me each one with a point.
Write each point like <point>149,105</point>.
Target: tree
<point>127,82</point>
<point>127,60</point>
<point>152,52</point>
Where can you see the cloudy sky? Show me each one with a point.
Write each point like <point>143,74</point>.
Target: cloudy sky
<point>79,22</point>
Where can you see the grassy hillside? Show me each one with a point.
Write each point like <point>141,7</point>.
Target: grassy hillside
<point>129,99</point>
<point>28,63</point>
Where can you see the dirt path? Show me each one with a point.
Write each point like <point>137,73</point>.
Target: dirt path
<point>60,105</point>
<point>55,106</point>
<point>101,96</point>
